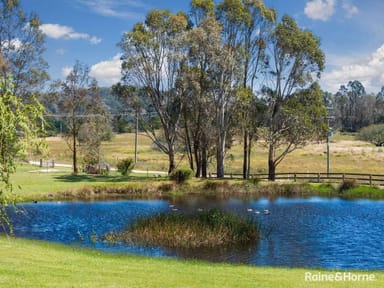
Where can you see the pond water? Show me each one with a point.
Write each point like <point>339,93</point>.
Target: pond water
<point>313,232</point>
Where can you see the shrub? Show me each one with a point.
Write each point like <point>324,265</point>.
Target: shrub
<point>347,185</point>
<point>373,133</point>
<point>364,192</point>
<point>181,175</point>
<point>125,166</point>
<point>254,180</point>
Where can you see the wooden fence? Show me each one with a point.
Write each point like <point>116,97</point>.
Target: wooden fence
<point>360,178</point>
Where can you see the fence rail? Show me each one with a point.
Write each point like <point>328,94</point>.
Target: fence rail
<point>360,178</point>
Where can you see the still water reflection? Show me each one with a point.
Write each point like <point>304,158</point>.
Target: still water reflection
<point>313,232</point>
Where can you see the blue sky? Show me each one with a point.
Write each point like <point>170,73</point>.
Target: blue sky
<point>351,33</point>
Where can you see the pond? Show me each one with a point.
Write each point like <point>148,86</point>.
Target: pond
<point>313,232</point>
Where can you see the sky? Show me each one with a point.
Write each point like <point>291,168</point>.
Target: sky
<point>351,34</point>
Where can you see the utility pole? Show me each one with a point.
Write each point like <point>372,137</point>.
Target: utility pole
<point>329,134</point>
<point>328,160</point>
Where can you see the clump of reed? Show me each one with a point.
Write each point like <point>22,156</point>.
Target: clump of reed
<point>211,228</point>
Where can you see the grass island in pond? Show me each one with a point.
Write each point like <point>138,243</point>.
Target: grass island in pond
<point>176,230</point>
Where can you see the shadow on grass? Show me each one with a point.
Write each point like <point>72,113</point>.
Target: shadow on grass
<point>86,178</point>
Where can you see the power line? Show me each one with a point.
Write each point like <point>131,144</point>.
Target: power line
<point>87,115</point>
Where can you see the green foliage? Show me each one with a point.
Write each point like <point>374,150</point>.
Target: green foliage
<point>19,125</point>
<point>205,229</point>
<point>373,134</point>
<point>79,98</point>
<point>181,175</point>
<point>364,192</point>
<point>326,189</point>
<point>125,166</point>
<point>24,60</point>
<point>159,37</point>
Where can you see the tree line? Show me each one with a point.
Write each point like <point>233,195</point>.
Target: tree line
<point>223,70</point>
<point>195,80</point>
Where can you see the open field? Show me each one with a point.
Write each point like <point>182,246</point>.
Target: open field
<point>26,263</point>
<point>346,154</point>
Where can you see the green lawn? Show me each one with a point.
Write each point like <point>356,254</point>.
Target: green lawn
<point>32,183</point>
<point>25,263</point>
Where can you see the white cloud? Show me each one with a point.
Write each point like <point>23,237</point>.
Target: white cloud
<point>350,9</point>
<point>14,44</point>
<point>107,72</point>
<point>65,71</point>
<point>115,8</point>
<point>57,31</point>
<point>369,71</point>
<point>320,9</point>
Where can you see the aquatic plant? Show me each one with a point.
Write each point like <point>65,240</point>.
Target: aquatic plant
<point>177,230</point>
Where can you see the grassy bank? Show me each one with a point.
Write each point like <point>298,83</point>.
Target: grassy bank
<point>25,263</point>
<point>33,184</point>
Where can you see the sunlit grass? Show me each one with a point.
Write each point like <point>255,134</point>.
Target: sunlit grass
<point>25,263</point>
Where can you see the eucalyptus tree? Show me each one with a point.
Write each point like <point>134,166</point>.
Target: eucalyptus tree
<point>199,113</point>
<point>22,46</point>
<point>79,103</point>
<point>95,129</point>
<point>246,28</point>
<point>296,109</point>
<point>379,106</point>
<point>153,57</point>
<point>213,70</point>
<point>354,107</point>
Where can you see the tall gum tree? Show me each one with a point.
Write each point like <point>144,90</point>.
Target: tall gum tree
<point>295,63</point>
<point>153,58</point>
<point>246,26</point>
<point>79,104</point>
<point>213,72</point>
<point>22,46</point>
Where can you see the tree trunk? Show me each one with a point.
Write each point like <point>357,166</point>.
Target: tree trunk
<point>220,160</point>
<point>250,138</point>
<point>204,163</point>
<point>188,143</point>
<point>220,141</point>
<point>247,147</point>
<point>245,155</point>
<point>271,164</point>
<point>198,160</point>
<point>74,156</point>
<point>171,157</point>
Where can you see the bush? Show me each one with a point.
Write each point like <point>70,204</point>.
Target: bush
<point>125,166</point>
<point>347,185</point>
<point>373,134</point>
<point>181,175</point>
